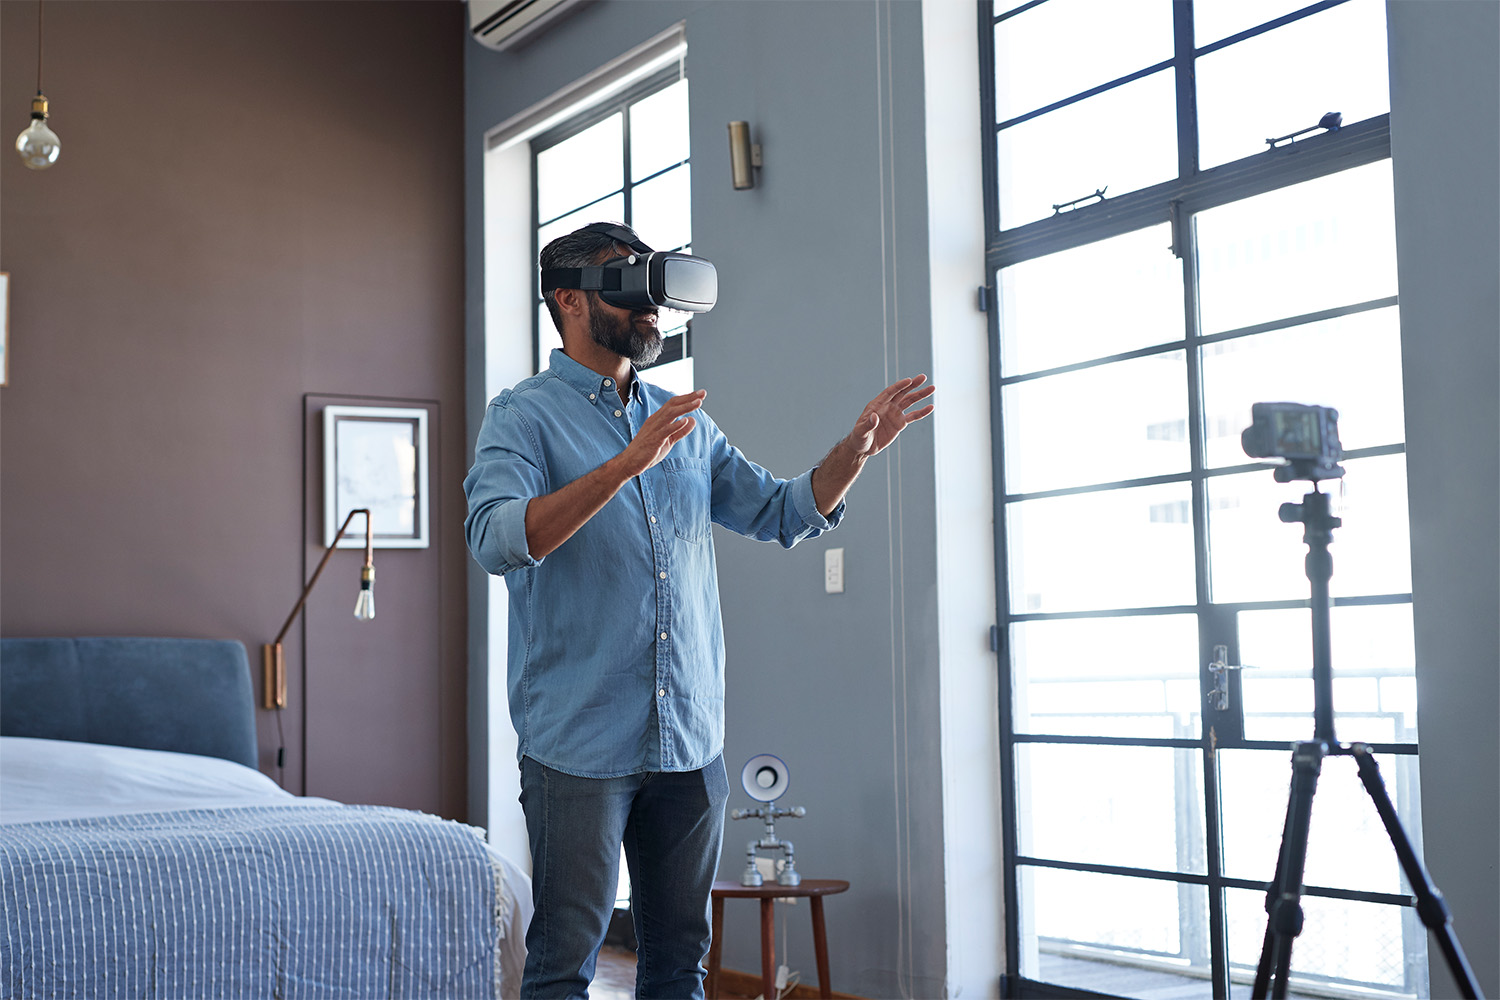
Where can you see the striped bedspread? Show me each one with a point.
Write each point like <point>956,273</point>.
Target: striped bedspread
<point>331,901</point>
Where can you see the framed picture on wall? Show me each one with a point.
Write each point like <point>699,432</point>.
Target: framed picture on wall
<point>375,457</point>
<point>4,328</point>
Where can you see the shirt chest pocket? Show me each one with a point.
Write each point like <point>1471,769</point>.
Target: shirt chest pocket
<point>688,493</point>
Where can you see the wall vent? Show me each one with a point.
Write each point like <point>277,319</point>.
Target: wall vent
<point>500,24</point>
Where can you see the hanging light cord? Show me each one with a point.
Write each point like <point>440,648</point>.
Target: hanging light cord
<point>39,47</point>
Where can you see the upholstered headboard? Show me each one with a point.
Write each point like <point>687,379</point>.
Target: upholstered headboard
<point>187,695</point>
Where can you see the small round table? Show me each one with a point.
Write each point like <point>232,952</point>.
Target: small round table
<point>814,889</point>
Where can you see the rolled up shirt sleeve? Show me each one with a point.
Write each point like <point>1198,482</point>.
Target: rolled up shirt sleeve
<point>749,500</point>
<point>807,504</point>
<point>506,475</point>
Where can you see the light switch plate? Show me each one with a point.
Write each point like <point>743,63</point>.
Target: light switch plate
<point>833,571</point>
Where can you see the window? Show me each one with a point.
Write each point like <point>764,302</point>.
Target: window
<point>1158,266</point>
<point>625,160</point>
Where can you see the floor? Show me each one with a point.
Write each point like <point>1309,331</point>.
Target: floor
<point>614,977</point>
<point>1142,984</point>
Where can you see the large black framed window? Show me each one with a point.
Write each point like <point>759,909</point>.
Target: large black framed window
<point>1172,237</point>
<point>624,159</point>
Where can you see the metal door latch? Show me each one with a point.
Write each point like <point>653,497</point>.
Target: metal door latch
<point>1218,698</point>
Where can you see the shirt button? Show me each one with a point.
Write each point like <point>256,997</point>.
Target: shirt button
<point>664,637</point>
<point>661,692</point>
<point>607,383</point>
<point>617,413</point>
<point>662,574</point>
<point>592,396</point>
<point>653,518</point>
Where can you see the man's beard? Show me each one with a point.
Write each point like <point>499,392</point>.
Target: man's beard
<point>624,337</point>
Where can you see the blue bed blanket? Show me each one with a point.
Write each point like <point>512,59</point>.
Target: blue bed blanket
<point>333,901</point>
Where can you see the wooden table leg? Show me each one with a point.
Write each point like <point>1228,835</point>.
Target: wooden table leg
<point>768,947</point>
<point>820,947</point>
<point>716,949</point>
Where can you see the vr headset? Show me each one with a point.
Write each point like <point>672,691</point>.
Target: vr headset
<point>645,279</point>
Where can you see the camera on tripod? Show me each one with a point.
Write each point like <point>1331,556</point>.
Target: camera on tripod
<point>1306,437</point>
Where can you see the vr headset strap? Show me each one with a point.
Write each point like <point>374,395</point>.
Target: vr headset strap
<point>619,234</point>
<point>605,279</point>
<point>595,279</point>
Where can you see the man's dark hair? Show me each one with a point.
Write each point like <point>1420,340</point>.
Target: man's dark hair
<point>580,248</point>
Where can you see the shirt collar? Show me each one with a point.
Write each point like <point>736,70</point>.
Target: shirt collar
<point>586,380</point>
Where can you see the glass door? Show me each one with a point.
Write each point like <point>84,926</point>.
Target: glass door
<point>1154,275</point>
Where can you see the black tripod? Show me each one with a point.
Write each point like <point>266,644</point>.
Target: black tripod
<point>1283,900</point>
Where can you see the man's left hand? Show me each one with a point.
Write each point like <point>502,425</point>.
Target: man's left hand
<point>886,415</point>
<point>883,418</point>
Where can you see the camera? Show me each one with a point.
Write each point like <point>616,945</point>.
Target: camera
<point>1305,437</point>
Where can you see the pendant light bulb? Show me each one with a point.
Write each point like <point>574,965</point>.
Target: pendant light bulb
<point>38,144</point>
<point>364,607</point>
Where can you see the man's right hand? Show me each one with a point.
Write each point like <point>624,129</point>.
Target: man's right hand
<point>552,519</point>
<point>659,433</point>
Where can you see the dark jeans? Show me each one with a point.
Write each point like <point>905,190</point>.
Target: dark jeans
<point>672,826</point>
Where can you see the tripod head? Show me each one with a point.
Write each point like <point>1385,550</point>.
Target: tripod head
<point>1313,512</point>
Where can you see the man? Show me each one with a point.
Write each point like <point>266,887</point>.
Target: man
<point>592,492</point>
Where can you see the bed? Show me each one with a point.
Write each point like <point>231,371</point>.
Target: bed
<point>141,853</point>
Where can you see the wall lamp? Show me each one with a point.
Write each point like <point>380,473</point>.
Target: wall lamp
<point>273,663</point>
<point>744,156</point>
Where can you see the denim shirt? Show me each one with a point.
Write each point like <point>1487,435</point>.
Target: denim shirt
<point>616,660</point>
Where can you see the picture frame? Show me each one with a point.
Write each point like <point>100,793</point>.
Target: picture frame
<point>4,328</point>
<point>375,457</point>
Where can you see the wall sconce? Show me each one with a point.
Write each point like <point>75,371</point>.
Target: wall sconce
<point>273,663</point>
<point>744,156</point>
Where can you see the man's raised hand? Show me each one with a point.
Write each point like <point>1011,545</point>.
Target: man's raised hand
<point>660,432</point>
<point>886,415</point>
<point>552,519</point>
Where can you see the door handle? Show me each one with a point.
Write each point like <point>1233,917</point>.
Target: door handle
<point>1218,668</point>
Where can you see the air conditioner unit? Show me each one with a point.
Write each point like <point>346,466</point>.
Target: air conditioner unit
<point>501,24</point>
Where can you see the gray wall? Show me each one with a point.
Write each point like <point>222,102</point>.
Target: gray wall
<point>172,307</point>
<point>1445,106</point>
<point>823,301</point>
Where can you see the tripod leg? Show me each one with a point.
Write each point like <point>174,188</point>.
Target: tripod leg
<point>1430,905</point>
<point>1284,899</point>
<point>1270,943</point>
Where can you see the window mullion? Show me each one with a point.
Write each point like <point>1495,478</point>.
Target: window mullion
<point>986,20</point>
<point>1272,25</point>
<point>1185,245</point>
<point>1068,102</point>
<point>625,168</point>
<point>1187,100</point>
<point>536,281</point>
<point>1009,840</point>
<point>603,197</point>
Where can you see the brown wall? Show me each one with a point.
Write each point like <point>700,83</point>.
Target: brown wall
<point>258,205</point>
